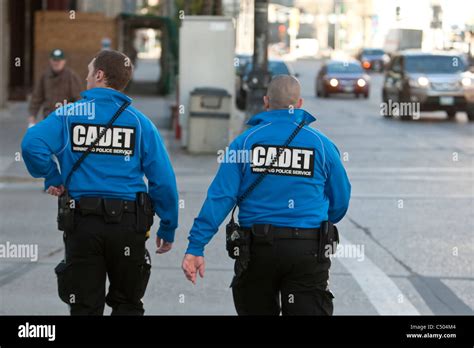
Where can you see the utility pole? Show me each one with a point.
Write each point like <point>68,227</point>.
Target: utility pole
<point>259,77</point>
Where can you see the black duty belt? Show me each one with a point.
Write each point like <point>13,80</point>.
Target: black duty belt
<point>102,206</point>
<point>295,233</point>
<point>279,232</point>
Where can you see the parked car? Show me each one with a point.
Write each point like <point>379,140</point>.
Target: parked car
<point>241,60</point>
<point>276,67</point>
<point>434,81</point>
<point>373,59</point>
<point>337,76</point>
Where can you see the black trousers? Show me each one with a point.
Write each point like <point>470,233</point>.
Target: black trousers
<point>95,250</point>
<point>289,269</point>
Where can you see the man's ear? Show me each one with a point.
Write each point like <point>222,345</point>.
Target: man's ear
<point>299,104</point>
<point>99,76</point>
<point>266,102</point>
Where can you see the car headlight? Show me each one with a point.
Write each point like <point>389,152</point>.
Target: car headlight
<point>419,82</point>
<point>423,81</point>
<point>333,82</point>
<point>361,82</point>
<point>466,81</point>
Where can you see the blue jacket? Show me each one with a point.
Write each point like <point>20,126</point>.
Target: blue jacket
<point>131,149</point>
<point>308,184</point>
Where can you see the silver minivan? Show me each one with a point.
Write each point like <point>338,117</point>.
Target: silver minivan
<point>430,82</point>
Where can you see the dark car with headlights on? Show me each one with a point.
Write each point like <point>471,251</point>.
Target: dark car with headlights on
<point>275,67</point>
<point>373,59</point>
<point>342,77</point>
<point>431,82</point>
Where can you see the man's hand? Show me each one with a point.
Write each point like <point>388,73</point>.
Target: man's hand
<point>55,190</point>
<point>193,264</point>
<point>31,121</point>
<point>162,246</point>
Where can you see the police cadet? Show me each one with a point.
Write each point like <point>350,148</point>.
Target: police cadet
<point>289,198</point>
<point>105,147</point>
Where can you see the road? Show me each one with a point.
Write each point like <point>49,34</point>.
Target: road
<point>408,237</point>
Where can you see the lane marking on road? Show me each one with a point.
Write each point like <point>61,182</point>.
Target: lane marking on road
<point>17,269</point>
<point>381,291</point>
<point>439,297</point>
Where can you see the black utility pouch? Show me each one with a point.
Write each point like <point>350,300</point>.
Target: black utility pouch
<point>238,248</point>
<point>65,217</point>
<point>328,241</point>
<point>145,212</point>
<point>90,206</point>
<point>64,278</point>
<point>333,237</point>
<point>237,241</point>
<point>145,271</point>
<point>113,211</point>
<point>262,234</point>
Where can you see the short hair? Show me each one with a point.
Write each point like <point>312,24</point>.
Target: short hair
<point>283,91</point>
<point>117,68</point>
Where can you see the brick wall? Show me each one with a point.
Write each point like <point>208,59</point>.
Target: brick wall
<point>80,38</point>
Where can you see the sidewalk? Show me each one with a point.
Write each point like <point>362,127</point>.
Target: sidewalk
<point>168,291</point>
<point>13,124</point>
